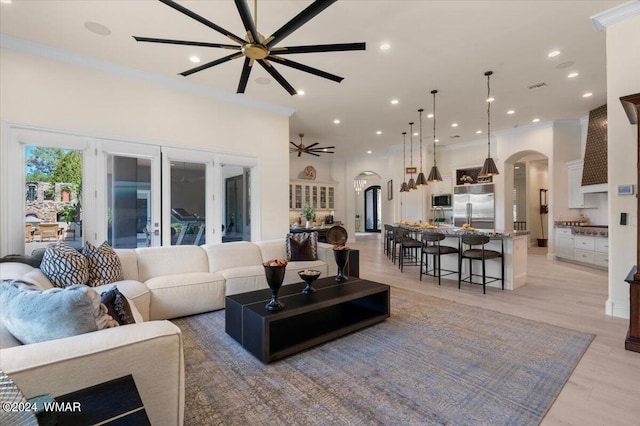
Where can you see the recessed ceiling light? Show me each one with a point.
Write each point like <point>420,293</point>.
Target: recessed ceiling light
<point>491,99</point>
<point>5,1</point>
<point>379,132</point>
<point>587,95</point>
<point>194,59</point>
<point>97,28</point>
<point>394,102</point>
<point>415,133</point>
<point>385,46</point>
<point>429,115</point>
<point>516,167</point>
<point>478,132</point>
<point>336,121</point>
<point>368,152</point>
<point>573,75</point>
<point>511,112</point>
<point>535,120</point>
<point>324,149</point>
<point>437,140</point>
<point>553,53</point>
<point>454,125</point>
<point>301,92</point>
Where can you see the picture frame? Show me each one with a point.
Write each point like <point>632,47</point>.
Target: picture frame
<point>390,190</point>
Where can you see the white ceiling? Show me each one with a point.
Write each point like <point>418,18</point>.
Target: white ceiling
<point>443,45</point>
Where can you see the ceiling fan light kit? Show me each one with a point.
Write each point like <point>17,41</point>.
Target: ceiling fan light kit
<point>256,48</point>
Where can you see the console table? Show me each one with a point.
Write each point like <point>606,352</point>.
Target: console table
<point>307,320</point>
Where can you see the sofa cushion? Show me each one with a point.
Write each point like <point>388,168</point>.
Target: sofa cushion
<point>129,263</point>
<point>117,306</point>
<point>33,316</point>
<point>159,261</point>
<point>177,295</point>
<point>244,279</point>
<point>104,264</point>
<point>300,237</point>
<point>64,265</point>
<point>232,255</point>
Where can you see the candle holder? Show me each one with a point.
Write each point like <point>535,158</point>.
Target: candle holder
<point>309,276</point>
<point>275,276</point>
<point>341,255</point>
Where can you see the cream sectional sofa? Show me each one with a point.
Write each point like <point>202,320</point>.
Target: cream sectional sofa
<point>162,283</point>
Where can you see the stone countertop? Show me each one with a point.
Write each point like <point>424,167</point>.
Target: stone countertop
<point>457,231</point>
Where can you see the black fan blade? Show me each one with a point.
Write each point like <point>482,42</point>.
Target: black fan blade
<point>319,48</point>
<point>187,43</point>
<point>306,68</point>
<point>211,64</point>
<point>322,148</point>
<point>299,153</point>
<point>299,20</point>
<point>279,78</point>
<point>244,77</point>
<point>293,144</point>
<point>311,153</point>
<point>312,145</point>
<point>245,15</point>
<point>202,20</point>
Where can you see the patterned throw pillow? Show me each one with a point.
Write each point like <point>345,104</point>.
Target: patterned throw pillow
<point>104,264</point>
<point>299,237</point>
<point>64,265</point>
<point>117,306</point>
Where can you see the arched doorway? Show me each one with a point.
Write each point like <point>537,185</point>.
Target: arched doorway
<point>372,208</point>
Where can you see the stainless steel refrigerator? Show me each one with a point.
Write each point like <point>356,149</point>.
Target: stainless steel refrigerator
<point>474,204</point>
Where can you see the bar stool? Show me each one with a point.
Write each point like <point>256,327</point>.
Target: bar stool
<point>408,247</point>
<point>388,239</point>
<point>479,254</point>
<point>431,246</point>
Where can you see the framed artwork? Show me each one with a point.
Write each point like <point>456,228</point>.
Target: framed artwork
<point>390,190</point>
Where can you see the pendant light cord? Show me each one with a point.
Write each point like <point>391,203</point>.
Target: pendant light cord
<point>404,155</point>
<point>488,74</point>
<point>420,111</point>
<point>411,136</point>
<point>434,126</point>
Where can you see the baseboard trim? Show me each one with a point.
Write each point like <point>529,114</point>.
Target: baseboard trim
<point>617,309</point>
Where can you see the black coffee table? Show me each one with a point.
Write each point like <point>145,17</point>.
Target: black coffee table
<point>307,320</point>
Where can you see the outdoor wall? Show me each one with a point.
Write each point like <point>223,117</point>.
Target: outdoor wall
<point>59,95</point>
<point>623,63</point>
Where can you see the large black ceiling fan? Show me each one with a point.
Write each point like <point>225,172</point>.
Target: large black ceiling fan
<point>255,47</point>
<point>311,149</point>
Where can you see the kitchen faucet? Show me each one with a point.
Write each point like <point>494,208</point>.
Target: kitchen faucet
<point>434,217</point>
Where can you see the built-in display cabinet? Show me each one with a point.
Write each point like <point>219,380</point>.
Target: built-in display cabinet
<point>577,199</point>
<point>317,194</point>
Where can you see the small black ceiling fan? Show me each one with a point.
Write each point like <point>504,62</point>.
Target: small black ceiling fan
<point>255,47</point>
<point>310,149</point>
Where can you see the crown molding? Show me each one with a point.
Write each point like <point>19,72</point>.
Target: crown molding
<point>616,14</point>
<point>65,56</point>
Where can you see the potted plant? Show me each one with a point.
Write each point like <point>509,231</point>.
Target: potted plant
<point>308,212</point>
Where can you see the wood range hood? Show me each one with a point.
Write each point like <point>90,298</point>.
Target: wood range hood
<point>594,172</point>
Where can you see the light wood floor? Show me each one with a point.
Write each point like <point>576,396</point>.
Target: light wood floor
<point>604,389</point>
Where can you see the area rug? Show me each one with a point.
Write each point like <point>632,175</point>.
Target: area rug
<point>433,362</point>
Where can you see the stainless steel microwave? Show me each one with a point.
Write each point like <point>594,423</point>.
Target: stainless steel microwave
<point>441,200</point>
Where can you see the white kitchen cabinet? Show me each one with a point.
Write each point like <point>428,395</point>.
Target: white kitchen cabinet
<point>577,199</point>
<point>585,243</point>
<point>565,243</point>
<point>443,187</point>
<point>319,195</point>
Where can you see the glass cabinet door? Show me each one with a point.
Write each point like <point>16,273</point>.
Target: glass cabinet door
<point>290,196</point>
<point>298,196</point>
<point>323,197</point>
<point>314,196</point>
<point>307,195</point>
<point>331,196</point>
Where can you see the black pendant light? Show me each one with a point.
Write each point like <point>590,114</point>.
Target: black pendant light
<point>434,175</point>
<point>421,180</point>
<point>412,183</point>
<point>489,167</point>
<point>404,187</point>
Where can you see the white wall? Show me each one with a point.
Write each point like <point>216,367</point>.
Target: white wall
<point>623,63</point>
<point>46,93</point>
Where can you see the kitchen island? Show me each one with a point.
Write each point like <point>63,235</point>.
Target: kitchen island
<point>513,243</point>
